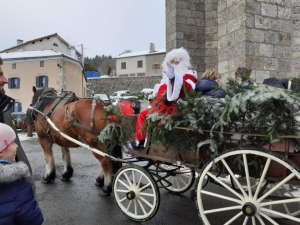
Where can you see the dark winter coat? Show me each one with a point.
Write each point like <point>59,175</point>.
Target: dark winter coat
<point>280,83</point>
<point>207,88</point>
<point>17,203</point>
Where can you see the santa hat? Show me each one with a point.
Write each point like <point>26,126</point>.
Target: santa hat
<point>179,54</point>
<point>7,136</point>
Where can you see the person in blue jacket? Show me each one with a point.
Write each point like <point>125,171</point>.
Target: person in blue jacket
<point>17,203</point>
<point>209,83</point>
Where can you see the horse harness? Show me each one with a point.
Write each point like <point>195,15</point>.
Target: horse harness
<point>64,99</point>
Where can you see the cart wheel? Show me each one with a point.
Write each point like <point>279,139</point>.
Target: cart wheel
<point>253,198</point>
<point>136,193</point>
<point>176,179</point>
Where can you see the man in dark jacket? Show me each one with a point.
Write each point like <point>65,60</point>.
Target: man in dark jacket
<point>276,82</point>
<point>6,103</point>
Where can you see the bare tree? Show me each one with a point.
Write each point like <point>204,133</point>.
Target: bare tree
<point>125,51</point>
<point>107,65</point>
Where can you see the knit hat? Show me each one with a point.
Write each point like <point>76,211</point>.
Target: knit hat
<point>7,136</point>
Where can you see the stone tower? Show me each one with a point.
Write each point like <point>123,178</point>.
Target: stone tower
<point>262,35</point>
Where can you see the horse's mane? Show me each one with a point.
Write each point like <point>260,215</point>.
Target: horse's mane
<point>43,97</point>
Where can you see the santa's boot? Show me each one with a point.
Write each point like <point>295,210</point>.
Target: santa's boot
<point>29,130</point>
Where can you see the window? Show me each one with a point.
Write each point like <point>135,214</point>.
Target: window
<point>14,65</point>
<point>141,74</point>
<point>156,66</point>
<point>41,63</point>
<point>14,83</point>
<point>140,64</point>
<point>54,44</point>
<point>41,81</point>
<point>123,65</point>
<point>17,107</point>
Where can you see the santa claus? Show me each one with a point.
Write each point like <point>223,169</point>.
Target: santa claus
<point>178,78</point>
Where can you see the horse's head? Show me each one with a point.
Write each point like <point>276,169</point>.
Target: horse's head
<point>42,97</point>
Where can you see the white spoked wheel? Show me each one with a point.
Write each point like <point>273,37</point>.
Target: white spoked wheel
<point>176,179</point>
<point>254,198</point>
<point>136,193</point>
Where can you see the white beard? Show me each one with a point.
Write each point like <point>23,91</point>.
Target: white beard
<point>180,69</point>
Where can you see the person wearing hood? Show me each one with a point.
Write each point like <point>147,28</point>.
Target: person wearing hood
<point>17,203</point>
<point>178,78</point>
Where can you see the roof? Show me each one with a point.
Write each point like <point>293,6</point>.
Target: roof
<point>141,53</point>
<point>40,39</point>
<point>9,56</point>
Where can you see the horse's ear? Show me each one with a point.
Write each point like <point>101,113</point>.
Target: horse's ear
<point>33,89</point>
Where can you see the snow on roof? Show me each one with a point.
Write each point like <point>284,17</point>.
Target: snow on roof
<point>132,54</point>
<point>33,54</point>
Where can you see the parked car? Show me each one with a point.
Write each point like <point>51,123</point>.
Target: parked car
<point>103,97</point>
<point>18,120</point>
<point>115,97</point>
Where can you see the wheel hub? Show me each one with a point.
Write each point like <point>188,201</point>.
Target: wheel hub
<point>249,209</point>
<point>130,195</point>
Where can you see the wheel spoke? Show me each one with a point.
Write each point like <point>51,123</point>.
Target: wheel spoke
<point>121,191</point>
<point>284,181</point>
<point>253,221</point>
<point>268,218</point>
<point>222,197</point>
<point>182,181</point>
<point>246,220</point>
<point>147,202</point>
<point>133,177</point>
<point>146,194</point>
<point>280,214</point>
<point>222,209</point>
<point>225,185</point>
<point>128,207</point>
<point>280,202</point>
<point>144,187</point>
<point>233,177</point>
<point>127,178</point>
<point>122,182</point>
<point>261,180</point>
<point>135,207</point>
<point>234,218</point>
<point>141,205</point>
<point>123,199</point>
<point>247,175</point>
<point>260,219</point>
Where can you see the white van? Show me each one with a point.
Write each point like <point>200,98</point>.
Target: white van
<point>115,97</point>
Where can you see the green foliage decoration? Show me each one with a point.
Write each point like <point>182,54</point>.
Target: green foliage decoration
<point>118,130</point>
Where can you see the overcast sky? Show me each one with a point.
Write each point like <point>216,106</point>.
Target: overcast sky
<point>103,26</point>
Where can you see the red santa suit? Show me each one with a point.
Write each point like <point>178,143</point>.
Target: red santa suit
<point>170,90</point>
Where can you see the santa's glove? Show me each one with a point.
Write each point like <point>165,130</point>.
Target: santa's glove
<point>170,72</point>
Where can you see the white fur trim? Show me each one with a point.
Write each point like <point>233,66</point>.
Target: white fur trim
<point>192,72</point>
<point>172,95</point>
<point>191,83</point>
<point>289,85</point>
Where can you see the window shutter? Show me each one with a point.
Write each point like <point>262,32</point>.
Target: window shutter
<point>19,107</point>
<point>37,81</point>
<point>153,66</point>
<point>46,78</point>
<point>18,83</point>
<point>9,83</point>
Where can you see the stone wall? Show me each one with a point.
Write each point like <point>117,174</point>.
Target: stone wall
<point>296,37</point>
<point>185,27</point>
<point>262,35</point>
<point>110,85</point>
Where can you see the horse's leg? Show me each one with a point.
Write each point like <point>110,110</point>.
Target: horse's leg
<point>117,153</point>
<point>68,168</point>
<point>105,178</point>
<point>47,144</point>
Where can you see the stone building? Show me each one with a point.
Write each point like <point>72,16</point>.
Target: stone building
<point>262,35</point>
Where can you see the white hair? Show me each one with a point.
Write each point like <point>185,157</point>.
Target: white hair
<point>182,56</point>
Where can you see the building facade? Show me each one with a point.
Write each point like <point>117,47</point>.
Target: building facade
<point>41,69</point>
<point>262,35</point>
<point>144,63</point>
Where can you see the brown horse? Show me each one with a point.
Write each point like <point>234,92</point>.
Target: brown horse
<point>77,118</point>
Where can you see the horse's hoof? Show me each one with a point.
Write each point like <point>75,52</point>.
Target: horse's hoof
<point>46,181</point>
<point>104,192</point>
<point>99,181</point>
<point>65,179</point>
